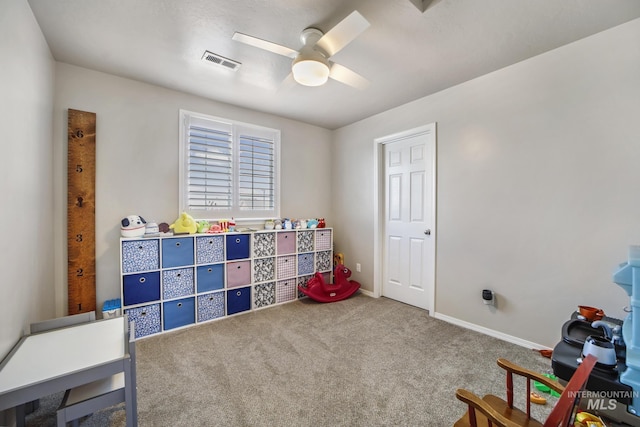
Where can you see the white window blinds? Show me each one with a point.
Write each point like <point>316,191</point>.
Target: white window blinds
<point>210,168</point>
<point>256,173</point>
<point>229,169</point>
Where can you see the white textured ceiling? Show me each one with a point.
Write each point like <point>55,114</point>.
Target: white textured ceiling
<point>406,54</point>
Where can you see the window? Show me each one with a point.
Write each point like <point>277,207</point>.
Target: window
<point>228,169</point>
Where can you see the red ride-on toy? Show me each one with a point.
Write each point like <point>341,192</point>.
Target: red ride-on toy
<point>342,288</point>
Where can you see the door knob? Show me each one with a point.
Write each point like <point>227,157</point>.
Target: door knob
<point>427,232</point>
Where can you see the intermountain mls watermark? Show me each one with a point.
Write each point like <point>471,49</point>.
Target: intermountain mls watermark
<point>602,400</point>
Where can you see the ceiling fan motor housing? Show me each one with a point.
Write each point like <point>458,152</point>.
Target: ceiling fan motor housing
<point>310,36</point>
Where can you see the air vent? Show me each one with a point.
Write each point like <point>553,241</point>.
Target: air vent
<point>220,60</point>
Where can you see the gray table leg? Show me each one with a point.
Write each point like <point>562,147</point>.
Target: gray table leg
<point>20,415</point>
<point>130,397</point>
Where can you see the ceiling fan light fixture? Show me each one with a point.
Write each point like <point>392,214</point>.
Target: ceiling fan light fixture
<point>310,69</point>
<point>311,66</point>
<point>310,72</point>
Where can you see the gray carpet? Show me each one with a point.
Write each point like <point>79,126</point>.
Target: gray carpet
<point>358,362</point>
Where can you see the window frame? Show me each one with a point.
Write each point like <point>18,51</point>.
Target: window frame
<point>237,129</point>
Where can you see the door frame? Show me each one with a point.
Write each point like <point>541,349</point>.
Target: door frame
<point>379,206</point>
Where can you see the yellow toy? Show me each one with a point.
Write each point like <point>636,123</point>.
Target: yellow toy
<point>537,398</point>
<point>585,419</point>
<point>184,224</point>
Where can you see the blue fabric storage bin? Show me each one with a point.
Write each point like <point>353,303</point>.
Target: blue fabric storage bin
<point>210,277</point>
<point>238,246</point>
<point>177,252</point>
<point>142,287</point>
<point>305,264</point>
<point>179,312</point>
<point>238,300</point>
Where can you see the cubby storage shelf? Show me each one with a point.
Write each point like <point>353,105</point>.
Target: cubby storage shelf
<point>172,282</point>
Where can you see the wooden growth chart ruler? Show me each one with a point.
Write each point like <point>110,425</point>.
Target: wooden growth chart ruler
<point>81,215</point>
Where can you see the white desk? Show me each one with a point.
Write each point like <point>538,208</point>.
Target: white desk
<point>56,360</point>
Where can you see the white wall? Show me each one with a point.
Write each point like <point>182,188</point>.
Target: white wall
<point>536,173</point>
<point>26,88</point>
<point>137,161</point>
<point>537,185</point>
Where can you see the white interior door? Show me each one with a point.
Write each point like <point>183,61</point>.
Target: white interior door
<point>408,251</point>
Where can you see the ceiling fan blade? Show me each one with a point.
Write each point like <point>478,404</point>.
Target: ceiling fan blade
<point>348,77</point>
<point>343,33</point>
<point>264,44</point>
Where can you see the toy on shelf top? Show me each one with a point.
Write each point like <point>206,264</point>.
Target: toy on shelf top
<point>151,230</point>
<point>215,229</point>
<point>294,224</point>
<point>203,226</point>
<point>185,224</point>
<point>132,226</point>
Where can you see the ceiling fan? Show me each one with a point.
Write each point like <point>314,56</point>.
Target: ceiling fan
<point>311,65</point>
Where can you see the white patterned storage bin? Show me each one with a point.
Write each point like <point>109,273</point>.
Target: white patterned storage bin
<point>286,266</point>
<point>323,261</point>
<point>264,244</point>
<point>177,283</point>
<point>146,318</point>
<point>323,239</point>
<point>264,294</point>
<point>286,290</point>
<point>302,281</point>
<point>140,255</point>
<point>209,249</point>
<point>305,240</point>
<point>210,306</point>
<point>264,269</point>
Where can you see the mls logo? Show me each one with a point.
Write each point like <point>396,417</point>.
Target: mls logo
<point>601,404</point>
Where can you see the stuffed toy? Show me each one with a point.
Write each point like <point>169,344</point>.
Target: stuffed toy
<point>132,226</point>
<point>185,224</point>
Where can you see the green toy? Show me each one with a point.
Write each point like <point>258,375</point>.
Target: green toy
<point>203,226</point>
<point>543,388</point>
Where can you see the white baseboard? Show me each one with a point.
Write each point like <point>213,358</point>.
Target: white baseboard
<point>367,293</point>
<point>490,332</point>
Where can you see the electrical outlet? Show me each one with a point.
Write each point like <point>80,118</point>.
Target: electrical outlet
<point>358,267</point>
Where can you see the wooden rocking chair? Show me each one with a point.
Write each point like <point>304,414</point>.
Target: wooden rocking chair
<point>493,411</point>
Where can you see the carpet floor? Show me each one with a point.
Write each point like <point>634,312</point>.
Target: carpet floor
<point>358,362</point>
